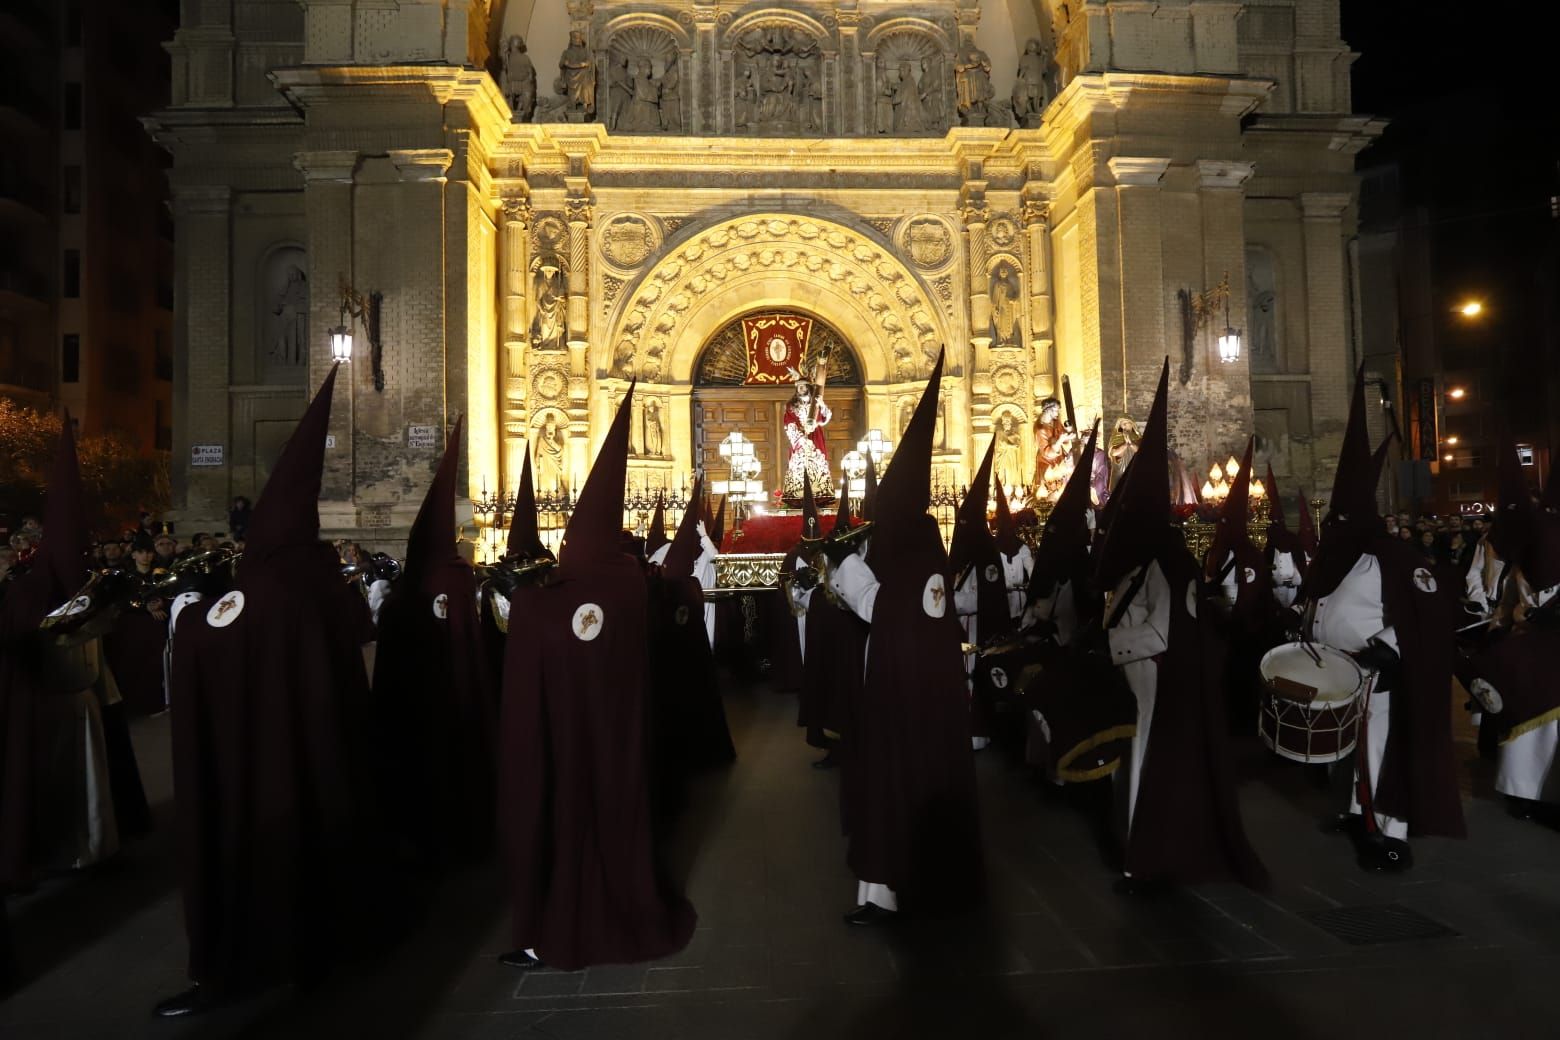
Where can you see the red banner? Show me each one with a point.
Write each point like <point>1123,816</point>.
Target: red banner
<point>776,344</point>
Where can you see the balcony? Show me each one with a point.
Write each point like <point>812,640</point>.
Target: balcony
<point>22,289</point>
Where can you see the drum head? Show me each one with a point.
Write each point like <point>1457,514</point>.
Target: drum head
<point>1311,674</point>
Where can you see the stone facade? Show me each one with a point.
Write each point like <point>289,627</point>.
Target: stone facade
<point>685,162</point>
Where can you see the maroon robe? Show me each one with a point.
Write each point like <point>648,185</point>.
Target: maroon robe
<point>134,652</point>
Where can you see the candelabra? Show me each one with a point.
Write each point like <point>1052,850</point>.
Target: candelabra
<point>494,511</point>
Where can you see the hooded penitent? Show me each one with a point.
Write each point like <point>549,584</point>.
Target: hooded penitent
<point>1541,562</point>
<point>1280,539</point>
<point>273,749</point>
<point>1232,548</point>
<point>57,572</point>
<point>1063,552</point>
<point>836,641</point>
<point>976,566</point>
<point>1186,824</point>
<point>525,540</point>
<point>909,781</point>
<point>435,688</point>
<point>1006,533</point>
<point>1306,529</point>
<point>573,796</point>
<point>869,492</point>
<point>1417,778</point>
<point>1515,516</point>
<point>656,536</point>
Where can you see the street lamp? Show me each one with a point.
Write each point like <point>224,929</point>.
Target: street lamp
<point>1457,393</point>
<point>875,445</point>
<point>1451,440</point>
<point>341,343</point>
<point>1471,309</point>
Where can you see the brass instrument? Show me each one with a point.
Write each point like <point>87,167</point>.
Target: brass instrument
<point>190,572</point>
<point>91,612</point>
<point>509,574</point>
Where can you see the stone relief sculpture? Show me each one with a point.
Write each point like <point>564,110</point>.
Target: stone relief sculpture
<point>552,305</point>
<point>643,83</point>
<point>652,439</point>
<point>972,79</point>
<point>1004,306</point>
<point>1029,88</point>
<point>549,439</point>
<point>1007,460</point>
<point>519,79</point>
<point>577,80</point>
<point>910,79</point>
<point>289,341</point>
<point>671,98</point>
<point>1262,310</point>
<point>783,66</point>
<point>909,102</point>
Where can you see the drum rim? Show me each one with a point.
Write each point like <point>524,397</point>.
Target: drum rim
<point>1354,706</point>
<point>1318,704</point>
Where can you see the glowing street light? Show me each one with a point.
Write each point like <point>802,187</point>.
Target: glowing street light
<point>1449,457</point>
<point>1457,393</point>
<point>1471,309</point>
<point>1451,440</point>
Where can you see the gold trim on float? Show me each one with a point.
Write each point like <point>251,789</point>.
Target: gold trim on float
<point>1530,725</point>
<point>1103,737</point>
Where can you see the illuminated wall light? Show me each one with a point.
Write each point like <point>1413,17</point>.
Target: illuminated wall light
<point>1457,393</point>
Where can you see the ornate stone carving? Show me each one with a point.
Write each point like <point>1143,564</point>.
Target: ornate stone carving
<point>1006,285</point>
<point>610,287</point>
<point>627,239</point>
<point>1036,211</point>
<point>1030,93</point>
<point>1003,230</point>
<point>778,73</point>
<point>286,301</point>
<point>519,79</point>
<point>911,69</point>
<point>550,383</point>
<point>883,224</point>
<point>928,242</point>
<point>577,210</point>
<point>576,81</point>
<point>972,80</point>
<point>551,232</point>
<point>549,325</point>
<point>643,82</point>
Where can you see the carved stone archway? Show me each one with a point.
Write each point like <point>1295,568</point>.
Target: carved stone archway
<point>776,261</point>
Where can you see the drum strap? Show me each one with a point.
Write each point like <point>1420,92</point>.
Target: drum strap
<point>1362,788</point>
<point>1118,609</point>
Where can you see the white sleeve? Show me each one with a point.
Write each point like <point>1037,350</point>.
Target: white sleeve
<point>854,582</point>
<point>1387,637</point>
<point>1136,641</point>
<point>966,598</point>
<point>1284,572</point>
<point>659,556</point>
<point>1473,582</point>
<point>376,597</point>
<point>800,598</point>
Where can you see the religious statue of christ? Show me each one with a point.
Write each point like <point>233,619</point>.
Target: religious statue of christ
<point>805,417</point>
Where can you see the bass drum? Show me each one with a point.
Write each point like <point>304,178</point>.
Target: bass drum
<point>1083,715</point>
<point>1311,702</point>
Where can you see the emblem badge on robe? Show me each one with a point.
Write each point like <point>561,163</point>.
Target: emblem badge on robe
<point>681,615</point>
<point>1424,581</point>
<point>1191,598</point>
<point>225,611</point>
<point>70,608</point>
<point>441,606</point>
<point>999,678</point>
<point>991,572</point>
<point>1250,576</point>
<point>587,622</point>
<point>934,598</point>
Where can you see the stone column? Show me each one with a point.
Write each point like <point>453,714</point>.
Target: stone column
<point>514,328</point>
<point>1326,291</point>
<point>855,117</point>
<point>327,202</point>
<point>202,352</point>
<point>979,383</point>
<point>1228,400</point>
<point>702,90</point>
<point>577,209</point>
<point>1139,260</point>
<point>1042,335</point>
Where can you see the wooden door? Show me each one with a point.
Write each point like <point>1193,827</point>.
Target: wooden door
<point>759,414</point>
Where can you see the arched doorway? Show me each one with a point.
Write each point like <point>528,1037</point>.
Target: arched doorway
<point>729,396</point>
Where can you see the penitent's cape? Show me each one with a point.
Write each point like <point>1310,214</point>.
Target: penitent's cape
<point>574,806</point>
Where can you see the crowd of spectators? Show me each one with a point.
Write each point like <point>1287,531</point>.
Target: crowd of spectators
<point>1444,540</point>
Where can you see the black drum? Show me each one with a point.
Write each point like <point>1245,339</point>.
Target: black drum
<point>1083,715</point>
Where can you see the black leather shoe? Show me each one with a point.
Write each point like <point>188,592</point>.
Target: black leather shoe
<point>828,761</point>
<point>870,914</point>
<point>520,959</point>
<point>1520,808</point>
<point>1385,855</point>
<point>191,1002</point>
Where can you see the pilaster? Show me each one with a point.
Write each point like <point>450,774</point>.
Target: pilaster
<point>1139,261</point>
<point>202,345</point>
<point>1326,320</point>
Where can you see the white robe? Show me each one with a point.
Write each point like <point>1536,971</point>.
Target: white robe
<point>799,599</point>
<point>1347,619</point>
<point>76,826</point>
<point>1142,633</point>
<point>1286,579</point>
<point>1016,570</point>
<point>704,570</point>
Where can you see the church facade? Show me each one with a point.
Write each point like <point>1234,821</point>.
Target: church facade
<point>521,210</point>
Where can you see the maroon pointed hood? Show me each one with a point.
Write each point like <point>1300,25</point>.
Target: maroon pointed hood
<point>431,543</point>
<point>970,530</point>
<point>63,551</point>
<point>1142,500</point>
<point>1541,560</point>
<point>1352,521</point>
<point>1065,538</point>
<point>717,531</point>
<point>1231,527</point>
<point>812,529</point>
<point>843,520</point>
<point>1515,516</point>
<point>656,537</point>
<point>869,489</point>
<point>595,529</point>
<point>525,540</point>
<point>1306,529</point>
<point>1280,539</point>
<point>906,489</point>
<point>684,552</point>
<point>287,514</point>
<point>1008,541</point>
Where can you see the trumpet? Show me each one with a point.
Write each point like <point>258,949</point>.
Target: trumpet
<point>192,572</point>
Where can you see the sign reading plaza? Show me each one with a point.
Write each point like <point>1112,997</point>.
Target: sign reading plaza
<point>206,455</point>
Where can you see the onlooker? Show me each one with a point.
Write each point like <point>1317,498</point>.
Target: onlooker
<point>238,518</point>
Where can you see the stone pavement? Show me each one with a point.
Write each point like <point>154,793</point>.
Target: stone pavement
<point>1054,953</point>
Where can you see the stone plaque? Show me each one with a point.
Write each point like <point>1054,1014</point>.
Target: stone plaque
<point>206,455</point>
<point>422,436</point>
<point>627,240</point>
<point>927,241</point>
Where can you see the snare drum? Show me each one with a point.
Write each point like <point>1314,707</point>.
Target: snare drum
<point>1311,702</point>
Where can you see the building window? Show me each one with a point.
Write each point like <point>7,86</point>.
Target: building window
<point>73,106</point>
<point>70,359</point>
<point>71,289</point>
<point>72,192</point>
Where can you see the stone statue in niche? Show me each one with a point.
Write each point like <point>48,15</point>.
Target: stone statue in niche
<point>552,305</point>
<point>972,78</point>
<point>1262,311</point>
<point>519,79</point>
<point>883,110</point>
<point>909,100</point>
<point>577,80</point>
<point>643,112</point>
<point>620,92</point>
<point>652,439</point>
<point>671,98</point>
<point>550,448</point>
<point>1029,90</point>
<point>1007,460</point>
<point>290,328</point>
<point>778,69</point>
<point>1004,306</point>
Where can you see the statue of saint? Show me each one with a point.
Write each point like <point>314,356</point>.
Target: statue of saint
<point>777,103</point>
<point>671,98</point>
<point>746,99</point>
<point>1053,444</point>
<point>1007,460</point>
<point>652,428</point>
<point>550,473</point>
<point>1123,445</point>
<point>552,308</point>
<point>519,79</point>
<point>644,103</point>
<point>577,77</point>
<point>1004,307</point>
<point>972,78</point>
<point>909,112</point>
<point>290,343</point>
<point>884,119</point>
<point>620,93</point>
<point>805,417</point>
<point>1029,87</point>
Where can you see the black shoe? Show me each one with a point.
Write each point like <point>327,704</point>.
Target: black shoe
<point>1339,823</point>
<point>1385,855</point>
<point>870,914</point>
<point>828,761</point>
<point>191,1002</point>
<point>520,959</point>
<point>1520,808</point>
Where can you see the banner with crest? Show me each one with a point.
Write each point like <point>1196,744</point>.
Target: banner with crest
<point>776,344</point>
